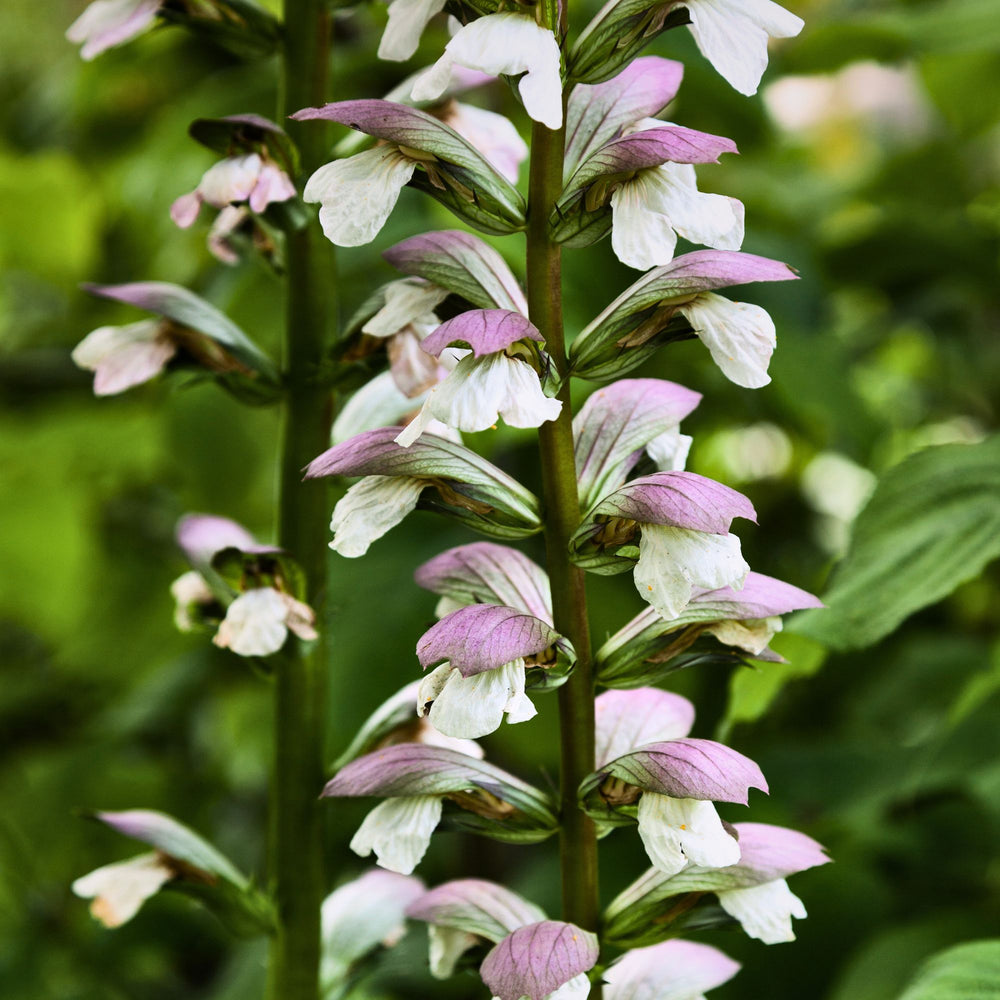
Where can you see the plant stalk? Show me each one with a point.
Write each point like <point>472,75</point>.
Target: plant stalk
<point>578,840</point>
<point>296,847</point>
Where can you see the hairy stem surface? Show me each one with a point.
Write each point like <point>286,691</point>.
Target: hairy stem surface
<point>578,841</point>
<point>296,854</point>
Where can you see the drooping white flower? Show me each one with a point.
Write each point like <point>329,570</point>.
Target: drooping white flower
<point>408,302</point>
<point>250,178</point>
<point>732,35</point>
<point>399,831</point>
<point>446,946</point>
<point>650,210</point>
<point>740,336</point>
<point>107,23</point>
<point>407,20</point>
<point>669,450</point>
<point>258,621</point>
<point>479,391</point>
<point>470,707</point>
<point>369,509</point>
<point>673,561</point>
<point>123,356</point>
<point>492,134</point>
<point>357,194</point>
<point>752,636</point>
<point>677,831</point>
<point>508,44</point>
<point>119,890</point>
<point>765,911</point>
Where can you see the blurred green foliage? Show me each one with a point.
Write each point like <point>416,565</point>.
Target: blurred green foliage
<point>886,200</point>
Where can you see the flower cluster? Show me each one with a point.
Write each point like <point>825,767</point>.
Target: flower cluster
<point>464,348</point>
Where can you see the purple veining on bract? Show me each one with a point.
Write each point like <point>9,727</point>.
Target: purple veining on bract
<point>484,637</point>
<point>535,960</point>
<point>485,331</point>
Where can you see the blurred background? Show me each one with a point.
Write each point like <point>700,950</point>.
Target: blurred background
<point>870,161</point>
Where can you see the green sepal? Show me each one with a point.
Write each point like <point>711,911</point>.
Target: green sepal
<point>617,34</point>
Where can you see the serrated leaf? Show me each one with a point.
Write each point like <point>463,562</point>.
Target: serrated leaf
<point>932,523</point>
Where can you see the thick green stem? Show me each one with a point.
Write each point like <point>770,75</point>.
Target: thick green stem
<point>296,849</point>
<point>578,840</point>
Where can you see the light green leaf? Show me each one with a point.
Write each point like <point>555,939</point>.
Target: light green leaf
<point>932,523</point>
<point>966,972</point>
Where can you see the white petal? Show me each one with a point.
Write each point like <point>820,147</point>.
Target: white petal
<point>378,403</point>
<point>711,219</point>
<point>406,301</point>
<point>226,223</point>
<point>230,180</point>
<point>299,617</point>
<point>753,636</point>
<point>254,624</point>
<point>407,20</point>
<point>492,134</point>
<point>184,210</point>
<point>414,371</point>
<point>739,336</point>
<point>119,890</point>
<point>399,831</point>
<point>669,450</point>
<point>674,560</point>
<point>369,509</point>
<point>273,185</point>
<point>189,588</point>
<point>447,946</point>
<point>471,707</point>
<point>577,988</point>
<point>358,193</point>
<point>481,390</point>
<point>765,911</point>
<point>124,356</point>
<point>106,23</point>
<point>504,44</point>
<point>732,35</point>
<point>676,831</point>
<point>641,235</point>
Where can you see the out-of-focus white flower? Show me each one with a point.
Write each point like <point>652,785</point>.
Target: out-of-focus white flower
<point>509,44</point>
<point>107,23</point>
<point>120,889</point>
<point>490,133</point>
<point>250,178</point>
<point>189,588</point>
<point>123,356</point>
<point>407,20</point>
<point>257,622</point>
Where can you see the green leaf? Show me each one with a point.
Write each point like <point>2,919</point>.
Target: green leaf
<point>932,523</point>
<point>966,972</point>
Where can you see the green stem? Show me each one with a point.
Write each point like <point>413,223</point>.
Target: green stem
<point>578,840</point>
<point>296,848</point>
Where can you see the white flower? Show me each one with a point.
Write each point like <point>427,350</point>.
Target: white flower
<point>189,588</point>
<point>357,194</point>
<point>407,20</point>
<point>399,831</point>
<point>739,336</point>
<point>577,988</point>
<point>669,450</point>
<point>765,911</point>
<point>408,302</point>
<point>504,44</point>
<point>447,946</point>
<point>380,403</point>
<point>123,356</point>
<point>227,222</point>
<point>249,178</point>
<point>106,23</point>
<point>732,35</point>
<point>119,890</point>
<point>492,135</point>
<point>369,509</point>
<point>470,707</point>
<point>257,622</point>
<point>673,561</point>
<point>479,391</point>
<point>677,831</point>
<point>650,210</point>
